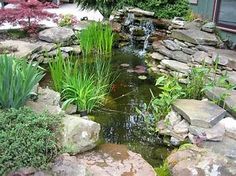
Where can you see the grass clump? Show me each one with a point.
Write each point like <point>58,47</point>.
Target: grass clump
<point>17,79</point>
<point>27,139</point>
<point>163,170</point>
<point>96,38</point>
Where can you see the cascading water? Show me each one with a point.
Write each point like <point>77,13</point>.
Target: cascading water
<point>145,25</point>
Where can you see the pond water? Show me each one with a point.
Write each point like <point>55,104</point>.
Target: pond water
<point>120,122</point>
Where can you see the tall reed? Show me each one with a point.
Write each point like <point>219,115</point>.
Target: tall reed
<point>96,38</point>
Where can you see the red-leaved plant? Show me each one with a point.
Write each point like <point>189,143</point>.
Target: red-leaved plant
<point>27,13</point>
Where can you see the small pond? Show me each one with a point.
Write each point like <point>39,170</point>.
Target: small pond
<point>120,122</point>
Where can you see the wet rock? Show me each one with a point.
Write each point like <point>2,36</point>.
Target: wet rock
<point>216,133</point>
<point>209,27</point>
<point>230,126</point>
<point>48,100</point>
<point>56,35</point>
<point>157,56</point>
<point>227,98</point>
<point>140,12</point>
<point>79,135</point>
<point>112,159</point>
<point>171,45</point>
<point>202,57</point>
<point>66,165</point>
<point>22,49</point>
<point>195,37</point>
<point>199,113</point>
<point>176,66</point>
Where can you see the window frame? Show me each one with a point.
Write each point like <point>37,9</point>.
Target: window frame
<point>216,14</point>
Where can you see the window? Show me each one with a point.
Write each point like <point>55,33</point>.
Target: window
<point>225,14</point>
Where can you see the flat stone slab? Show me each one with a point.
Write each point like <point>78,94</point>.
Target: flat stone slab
<point>176,66</point>
<point>23,49</point>
<point>232,77</point>
<point>117,160</point>
<point>228,101</point>
<point>199,113</point>
<point>230,127</point>
<point>195,36</point>
<point>225,57</point>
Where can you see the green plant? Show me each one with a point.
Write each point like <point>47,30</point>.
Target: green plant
<point>17,79</point>
<point>67,20</point>
<point>87,87</point>
<point>163,170</point>
<point>27,139</point>
<point>97,37</point>
<point>171,91</point>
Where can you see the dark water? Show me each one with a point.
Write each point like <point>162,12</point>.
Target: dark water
<point>120,122</point>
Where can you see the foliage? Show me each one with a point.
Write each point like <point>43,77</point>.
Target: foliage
<point>17,79</point>
<point>88,87</point>
<point>171,91</point>
<point>67,20</point>
<point>162,8</point>
<point>26,13</point>
<point>105,7</point>
<point>163,170</point>
<point>97,37</point>
<point>27,139</point>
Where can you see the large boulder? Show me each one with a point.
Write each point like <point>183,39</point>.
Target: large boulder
<point>227,98</point>
<point>79,135</point>
<point>23,49</point>
<point>56,35</point>
<point>204,114</point>
<point>115,160</point>
<point>48,101</point>
<point>195,36</point>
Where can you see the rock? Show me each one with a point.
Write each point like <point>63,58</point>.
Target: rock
<point>48,100</point>
<point>194,161</point>
<point>181,127</point>
<point>140,12</point>
<point>225,57</point>
<point>179,21</point>
<point>189,51</point>
<point>117,160</point>
<point>156,56</point>
<point>157,46</point>
<point>176,66</point>
<point>209,27</point>
<point>138,31</point>
<point>172,118</point>
<point>181,56</point>
<point>171,45</point>
<point>195,37</point>
<point>181,44</point>
<point>230,126</point>
<point>116,27</point>
<point>56,35</point>
<point>67,49</point>
<point>232,77</point>
<point>174,141</point>
<point>216,133</point>
<point>208,49</point>
<point>202,57</point>
<point>22,49</point>
<point>227,98</point>
<point>79,135</point>
<point>161,23</point>
<point>66,165</point>
<point>81,25</point>
<point>178,74</point>
<point>76,49</point>
<point>199,113</point>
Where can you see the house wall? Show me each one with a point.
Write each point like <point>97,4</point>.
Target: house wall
<point>205,9</point>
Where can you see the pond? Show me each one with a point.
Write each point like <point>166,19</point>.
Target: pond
<point>120,122</point>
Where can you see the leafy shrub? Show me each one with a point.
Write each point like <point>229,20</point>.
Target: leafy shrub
<point>27,139</point>
<point>67,20</point>
<point>97,37</point>
<point>17,79</point>
<point>26,13</point>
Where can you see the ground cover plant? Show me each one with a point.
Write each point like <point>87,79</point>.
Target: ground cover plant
<point>27,14</point>
<point>27,139</point>
<point>17,79</point>
<point>96,38</point>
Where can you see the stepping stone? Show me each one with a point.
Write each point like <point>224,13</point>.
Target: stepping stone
<point>195,36</point>
<point>176,66</point>
<point>203,114</point>
<point>227,98</point>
